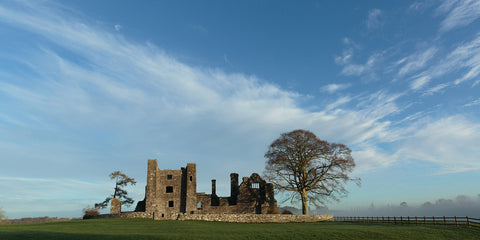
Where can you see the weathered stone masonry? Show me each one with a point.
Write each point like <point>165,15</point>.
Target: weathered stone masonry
<point>172,192</point>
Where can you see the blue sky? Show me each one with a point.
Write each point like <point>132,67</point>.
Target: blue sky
<point>89,87</point>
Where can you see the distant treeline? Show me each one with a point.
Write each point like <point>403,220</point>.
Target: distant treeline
<point>33,220</point>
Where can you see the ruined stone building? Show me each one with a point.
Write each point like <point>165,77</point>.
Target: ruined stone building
<point>172,192</point>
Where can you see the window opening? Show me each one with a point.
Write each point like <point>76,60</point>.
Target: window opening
<point>191,178</point>
<point>169,189</point>
<point>255,185</point>
<point>199,205</point>
<point>169,176</point>
<point>170,203</point>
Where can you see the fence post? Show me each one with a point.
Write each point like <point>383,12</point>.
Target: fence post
<point>388,219</point>
<point>395,219</point>
<point>408,220</point>
<point>444,221</point>
<point>416,220</point>
<point>401,220</point>
<point>468,222</point>
<point>434,223</point>
<point>425,220</point>
<point>456,221</point>
<point>383,219</point>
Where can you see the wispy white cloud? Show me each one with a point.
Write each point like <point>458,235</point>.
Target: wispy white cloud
<point>338,102</point>
<point>463,59</point>
<point>372,158</point>
<point>133,89</point>
<point>352,69</point>
<point>118,27</point>
<point>416,61</point>
<point>347,53</point>
<point>425,66</point>
<point>436,89</point>
<point>420,6</point>
<point>419,82</point>
<point>476,83</point>
<point>473,103</point>
<point>459,13</point>
<point>415,6</point>
<point>374,19</point>
<point>442,142</point>
<point>331,88</point>
<point>226,60</point>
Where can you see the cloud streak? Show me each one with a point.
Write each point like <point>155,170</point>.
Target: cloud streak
<point>331,88</point>
<point>459,13</point>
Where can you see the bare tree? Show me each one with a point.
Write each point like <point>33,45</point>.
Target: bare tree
<point>309,168</point>
<point>121,180</point>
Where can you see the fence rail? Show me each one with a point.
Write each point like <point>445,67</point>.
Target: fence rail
<point>433,220</point>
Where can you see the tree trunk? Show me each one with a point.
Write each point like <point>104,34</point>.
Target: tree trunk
<point>304,202</point>
<point>115,193</point>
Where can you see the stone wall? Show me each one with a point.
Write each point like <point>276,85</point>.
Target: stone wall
<point>256,218</point>
<point>239,218</point>
<point>126,215</point>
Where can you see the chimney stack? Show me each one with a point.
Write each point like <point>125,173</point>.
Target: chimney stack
<point>214,187</point>
<point>233,188</point>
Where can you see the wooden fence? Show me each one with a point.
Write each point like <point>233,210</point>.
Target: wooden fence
<point>445,221</point>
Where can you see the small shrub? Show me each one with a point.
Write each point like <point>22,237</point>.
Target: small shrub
<point>272,210</point>
<point>287,212</point>
<point>90,212</point>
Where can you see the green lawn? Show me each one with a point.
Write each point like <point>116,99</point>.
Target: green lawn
<point>148,229</point>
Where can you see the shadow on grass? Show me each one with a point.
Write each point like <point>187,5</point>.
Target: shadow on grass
<point>40,235</point>
<point>148,229</point>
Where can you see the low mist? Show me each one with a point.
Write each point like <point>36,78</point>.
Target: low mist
<point>462,205</point>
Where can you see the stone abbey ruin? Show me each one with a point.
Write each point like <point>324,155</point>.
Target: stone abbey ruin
<point>172,194</point>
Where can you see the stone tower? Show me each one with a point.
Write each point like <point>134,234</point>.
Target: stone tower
<point>170,192</point>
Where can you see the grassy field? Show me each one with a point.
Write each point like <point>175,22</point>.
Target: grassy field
<point>148,229</point>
